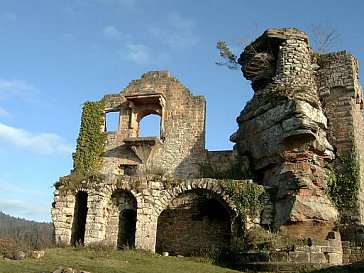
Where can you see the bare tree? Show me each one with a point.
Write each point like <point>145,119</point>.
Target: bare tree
<point>323,36</point>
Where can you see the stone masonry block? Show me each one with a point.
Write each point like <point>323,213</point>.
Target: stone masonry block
<point>318,257</point>
<point>301,248</point>
<point>299,256</point>
<point>334,258</point>
<point>279,257</point>
<point>328,249</point>
<point>317,242</point>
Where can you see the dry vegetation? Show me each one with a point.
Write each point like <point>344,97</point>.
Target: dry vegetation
<point>110,261</point>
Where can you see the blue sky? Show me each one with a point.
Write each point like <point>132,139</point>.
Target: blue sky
<point>56,54</point>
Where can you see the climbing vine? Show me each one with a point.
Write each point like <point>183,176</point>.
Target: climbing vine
<point>344,184</point>
<point>91,140</point>
<point>247,198</point>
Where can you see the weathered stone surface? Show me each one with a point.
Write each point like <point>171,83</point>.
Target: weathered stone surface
<point>317,257</point>
<point>37,254</point>
<point>279,257</point>
<point>284,129</point>
<point>106,214</point>
<point>334,258</point>
<point>180,146</point>
<point>68,270</point>
<point>20,255</point>
<point>299,256</point>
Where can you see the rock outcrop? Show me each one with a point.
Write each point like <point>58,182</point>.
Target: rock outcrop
<point>283,129</point>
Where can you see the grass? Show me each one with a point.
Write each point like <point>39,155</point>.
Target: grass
<point>110,261</point>
<point>126,261</point>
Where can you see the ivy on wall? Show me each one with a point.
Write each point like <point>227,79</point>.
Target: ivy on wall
<point>247,199</point>
<point>91,140</point>
<point>343,186</point>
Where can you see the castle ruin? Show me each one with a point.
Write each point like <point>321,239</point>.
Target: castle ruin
<point>299,148</point>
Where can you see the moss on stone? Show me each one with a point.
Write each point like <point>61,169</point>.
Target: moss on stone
<point>343,186</point>
<point>247,197</point>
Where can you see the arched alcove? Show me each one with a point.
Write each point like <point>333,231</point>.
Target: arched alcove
<point>195,221</point>
<point>125,206</point>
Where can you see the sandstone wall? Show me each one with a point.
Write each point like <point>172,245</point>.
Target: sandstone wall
<point>194,223</point>
<point>283,129</point>
<point>179,150</point>
<point>313,254</point>
<point>221,160</point>
<point>341,94</point>
<point>108,198</point>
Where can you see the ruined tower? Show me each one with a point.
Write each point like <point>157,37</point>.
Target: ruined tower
<point>305,115</point>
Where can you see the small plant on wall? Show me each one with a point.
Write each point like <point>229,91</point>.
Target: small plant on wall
<point>343,186</point>
<point>247,197</point>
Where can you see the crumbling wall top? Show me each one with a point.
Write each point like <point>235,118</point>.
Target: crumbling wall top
<point>259,59</point>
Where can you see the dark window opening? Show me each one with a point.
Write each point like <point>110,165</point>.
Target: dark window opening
<point>79,219</point>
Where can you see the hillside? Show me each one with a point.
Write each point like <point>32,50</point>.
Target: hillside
<point>34,234</point>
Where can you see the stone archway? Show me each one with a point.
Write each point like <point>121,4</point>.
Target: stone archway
<point>197,220</point>
<point>124,207</point>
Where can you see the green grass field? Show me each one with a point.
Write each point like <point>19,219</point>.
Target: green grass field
<point>110,261</point>
<point>125,261</point>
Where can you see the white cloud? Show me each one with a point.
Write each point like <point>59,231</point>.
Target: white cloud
<point>112,32</point>
<point>137,53</point>
<point>43,143</point>
<point>178,33</point>
<point>18,89</point>
<point>9,17</point>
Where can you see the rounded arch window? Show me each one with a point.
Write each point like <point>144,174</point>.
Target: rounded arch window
<point>150,125</point>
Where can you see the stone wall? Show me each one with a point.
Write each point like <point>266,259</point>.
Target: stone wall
<point>180,148</point>
<point>283,129</point>
<point>194,223</point>
<point>221,161</point>
<point>314,254</point>
<point>341,95</point>
<point>151,198</point>
<point>353,252</point>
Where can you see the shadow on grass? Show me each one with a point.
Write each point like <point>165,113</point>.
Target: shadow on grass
<point>358,267</point>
